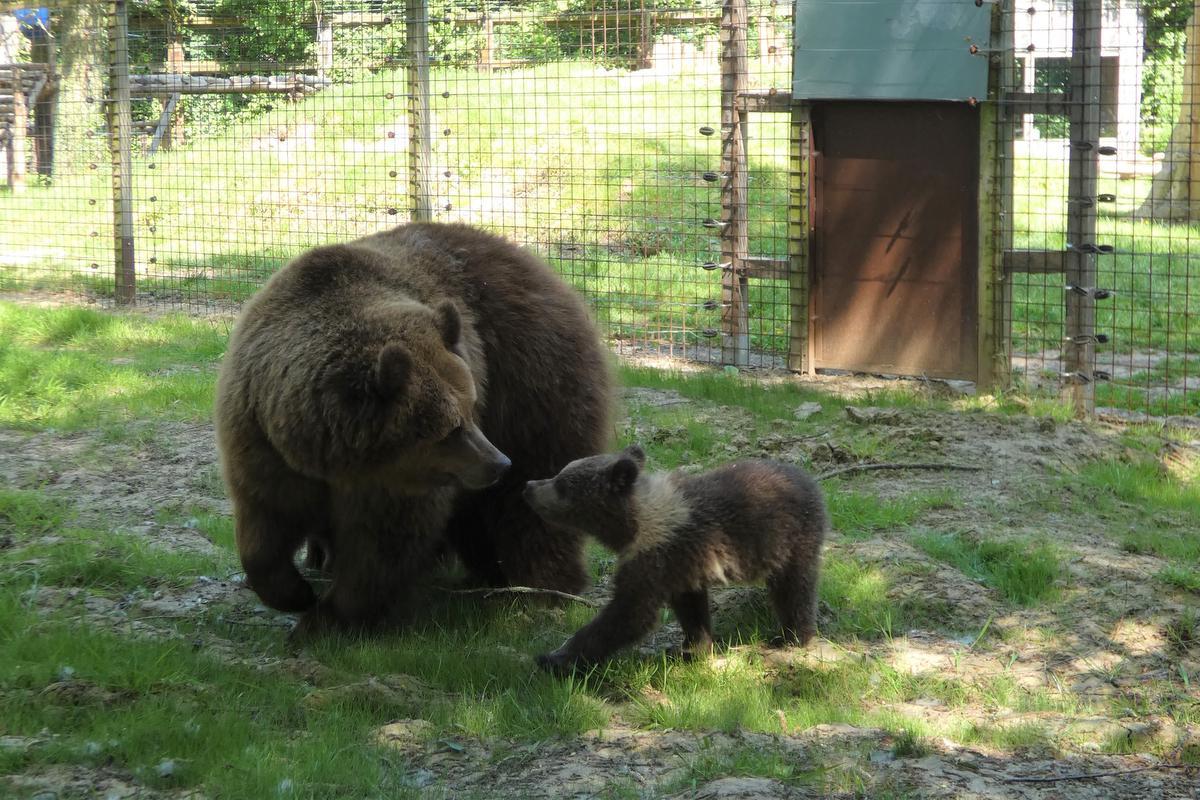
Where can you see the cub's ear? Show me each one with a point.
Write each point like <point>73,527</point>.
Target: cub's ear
<point>622,475</point>
<point>636,453</point>
<point>449,322</point>
<point>392,369</point>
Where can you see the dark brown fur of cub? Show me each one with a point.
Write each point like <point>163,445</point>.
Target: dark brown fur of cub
<point>677,535</point>
<point>370,400</point>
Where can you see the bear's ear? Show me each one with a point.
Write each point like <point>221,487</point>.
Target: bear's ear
<point>636,453</point>
<point>622,475</point>
<point>449,323</point>
<point>392,369</point>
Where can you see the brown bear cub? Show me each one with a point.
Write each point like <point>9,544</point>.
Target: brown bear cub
<point>677,534</point>
<point>384,397</point>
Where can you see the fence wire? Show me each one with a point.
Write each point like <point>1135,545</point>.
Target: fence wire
<point>1145,293</point>
<point>591,131</point>
<point>588,131</point>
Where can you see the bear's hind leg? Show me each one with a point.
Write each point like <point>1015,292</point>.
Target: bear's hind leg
<point>793,591</point>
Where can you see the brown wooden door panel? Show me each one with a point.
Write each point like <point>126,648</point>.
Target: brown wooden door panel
<point>894,197</point>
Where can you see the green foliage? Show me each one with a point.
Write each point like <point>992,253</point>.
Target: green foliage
<point>1162,72</point>
<point>269,33</point>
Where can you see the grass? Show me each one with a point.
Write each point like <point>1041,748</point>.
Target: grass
<point>1023,572</point>
<point>858,515</point>
<point>614,194</point>
<point>211,697</point>
<point>73,368</point>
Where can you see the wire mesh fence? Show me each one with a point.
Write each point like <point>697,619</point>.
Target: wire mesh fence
<point>588,131</point>
<point>1128,108</point>
<point>651,150</point>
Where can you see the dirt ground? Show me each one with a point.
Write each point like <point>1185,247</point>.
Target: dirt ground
<point>1108,634</point>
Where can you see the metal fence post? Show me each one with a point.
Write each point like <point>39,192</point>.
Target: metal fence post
<point>420,125</point>
<point>120,142</point>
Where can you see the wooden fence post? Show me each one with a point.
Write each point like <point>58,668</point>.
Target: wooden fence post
<point>420,126</point>
<point>800,265</point>
<point>1079,350</point>
<point>735,317</point>
<point>120,142</point>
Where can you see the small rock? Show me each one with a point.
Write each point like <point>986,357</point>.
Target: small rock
<point>405,734</point>
<point>285,786</point>
<point>806,410</point>
<point>166,768</point>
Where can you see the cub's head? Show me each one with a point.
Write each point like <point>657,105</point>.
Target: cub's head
<point>593,495</point>
<point>400,400</point>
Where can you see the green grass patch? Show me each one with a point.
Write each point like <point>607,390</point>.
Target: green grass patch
<point>1181,577</point>
<point>858,515</point>
<point>1023,572</point>
<point>71,368</point>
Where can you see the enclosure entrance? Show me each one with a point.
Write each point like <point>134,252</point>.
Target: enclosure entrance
<point>895,253</point>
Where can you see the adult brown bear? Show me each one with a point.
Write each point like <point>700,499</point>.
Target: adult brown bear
<point>389,394</point>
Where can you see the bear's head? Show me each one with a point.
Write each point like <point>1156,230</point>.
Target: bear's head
<point>399,401</point>
<point>593,495</point>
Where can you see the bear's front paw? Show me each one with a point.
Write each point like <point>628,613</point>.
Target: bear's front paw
<point>317,622</point>
<point>558,663</point>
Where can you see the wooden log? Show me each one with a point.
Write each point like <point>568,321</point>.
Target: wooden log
<point>164,122</point>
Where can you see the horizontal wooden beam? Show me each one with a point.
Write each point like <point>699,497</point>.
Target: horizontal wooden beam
<point>1034,261</point>
<point>1051,103</point>
<point>765,268</point>
<point>765,100</point>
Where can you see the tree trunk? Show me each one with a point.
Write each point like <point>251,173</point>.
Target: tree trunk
<point>83,69</point>
<point>1175,190</point>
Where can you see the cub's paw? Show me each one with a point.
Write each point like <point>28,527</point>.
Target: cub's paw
<point>690,652</point>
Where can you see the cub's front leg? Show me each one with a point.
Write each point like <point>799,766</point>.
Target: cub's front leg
<point>629,617</point>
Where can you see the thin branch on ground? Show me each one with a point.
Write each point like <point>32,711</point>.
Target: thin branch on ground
<point>489,591</point>
<point>1087,776</point>
<point>871,467</point>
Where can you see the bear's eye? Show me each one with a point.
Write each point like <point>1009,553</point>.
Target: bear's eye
<point>454,434</point>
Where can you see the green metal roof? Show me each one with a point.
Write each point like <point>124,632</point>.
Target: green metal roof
<point>890,49</point>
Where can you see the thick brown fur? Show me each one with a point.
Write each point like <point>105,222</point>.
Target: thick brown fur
<point>371,398</point>
<point>677,535</point>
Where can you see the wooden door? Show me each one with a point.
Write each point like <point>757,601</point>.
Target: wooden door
<point>894,198</point>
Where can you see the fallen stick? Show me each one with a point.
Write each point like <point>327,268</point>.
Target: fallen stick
<point>870,467</point>
<point>489,591</point>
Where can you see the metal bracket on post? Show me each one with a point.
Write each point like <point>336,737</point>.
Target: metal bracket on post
<point>120,142</point>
